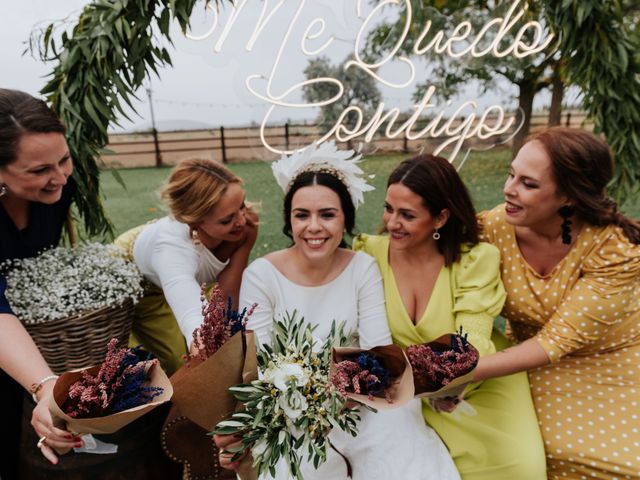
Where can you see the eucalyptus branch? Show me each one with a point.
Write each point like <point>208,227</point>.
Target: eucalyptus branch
<point>98,65</point>
<point>601,58</point>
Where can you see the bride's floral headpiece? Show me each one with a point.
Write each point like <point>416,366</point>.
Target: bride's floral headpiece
<point>323,157</point>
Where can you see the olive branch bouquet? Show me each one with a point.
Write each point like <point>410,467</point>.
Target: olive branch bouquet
<point>293,406</point>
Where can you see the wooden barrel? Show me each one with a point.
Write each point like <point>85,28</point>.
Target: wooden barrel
<point>139,454</point>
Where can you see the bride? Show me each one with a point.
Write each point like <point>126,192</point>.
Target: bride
<point>324,281</point>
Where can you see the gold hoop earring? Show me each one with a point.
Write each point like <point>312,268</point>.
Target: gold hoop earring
<point>436,235</point>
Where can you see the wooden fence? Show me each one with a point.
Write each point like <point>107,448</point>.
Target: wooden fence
<point>243,144</point>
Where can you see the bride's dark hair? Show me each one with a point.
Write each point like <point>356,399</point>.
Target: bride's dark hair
<point>307,179</point>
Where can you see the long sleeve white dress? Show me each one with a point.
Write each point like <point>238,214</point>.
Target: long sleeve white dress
<point>391,444</point>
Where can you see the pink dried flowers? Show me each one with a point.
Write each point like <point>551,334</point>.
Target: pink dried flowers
<point>220,322</point>
<point>366,374</point>
<point>435,364</point>
<point>118,385</point>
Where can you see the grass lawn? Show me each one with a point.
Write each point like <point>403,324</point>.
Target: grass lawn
<point>484,174</point>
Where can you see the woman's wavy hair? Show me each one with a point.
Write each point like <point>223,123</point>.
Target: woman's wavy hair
<point>194,187</point>
<point>582,166</point>
<point>21,114</point>
<point>440,186</point>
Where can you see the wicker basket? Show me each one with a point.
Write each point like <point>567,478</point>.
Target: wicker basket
<point>81,340</point>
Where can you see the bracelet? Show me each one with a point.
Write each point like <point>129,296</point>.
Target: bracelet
<point>36,387</point>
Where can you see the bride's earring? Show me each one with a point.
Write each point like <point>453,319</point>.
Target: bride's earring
<point>436,235</point>
<point>3,190</point>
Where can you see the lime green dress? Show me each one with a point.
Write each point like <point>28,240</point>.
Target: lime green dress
<point>503,440</point>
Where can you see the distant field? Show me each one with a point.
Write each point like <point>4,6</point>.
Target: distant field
<point>484,174</point>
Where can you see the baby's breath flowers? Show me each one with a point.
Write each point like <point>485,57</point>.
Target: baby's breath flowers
<point>292,409</point>
<point>62,282</point>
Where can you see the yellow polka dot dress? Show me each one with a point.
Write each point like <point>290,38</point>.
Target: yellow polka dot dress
<point>586,315</point>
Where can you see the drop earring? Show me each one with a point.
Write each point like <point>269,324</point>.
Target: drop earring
<point>436,235</point>
<point>3,190</point>
<point>566,212</point>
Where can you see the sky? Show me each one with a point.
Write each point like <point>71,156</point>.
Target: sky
<point>205,88</point>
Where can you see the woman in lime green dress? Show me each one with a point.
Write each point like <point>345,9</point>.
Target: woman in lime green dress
<point>437,278</point>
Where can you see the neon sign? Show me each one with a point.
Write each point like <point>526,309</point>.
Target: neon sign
<point>463,124</point>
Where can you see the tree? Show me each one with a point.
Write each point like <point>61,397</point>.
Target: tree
<point>360,90</point>
<point>100,64</point>
<point>530,74</point>
<point>597,50</point>
<point>600,41</point>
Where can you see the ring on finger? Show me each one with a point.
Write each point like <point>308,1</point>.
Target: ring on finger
<point>42,441</point>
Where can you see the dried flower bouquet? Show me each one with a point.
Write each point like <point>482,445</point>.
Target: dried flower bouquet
<point>293,407</point>
<point>104,398</point>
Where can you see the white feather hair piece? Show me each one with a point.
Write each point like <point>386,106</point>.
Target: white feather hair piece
<point>323,157</point>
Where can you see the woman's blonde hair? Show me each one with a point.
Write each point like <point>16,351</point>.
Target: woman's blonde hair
<point>194,187</point>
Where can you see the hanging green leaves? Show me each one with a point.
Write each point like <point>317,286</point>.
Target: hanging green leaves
<point>99,64</point>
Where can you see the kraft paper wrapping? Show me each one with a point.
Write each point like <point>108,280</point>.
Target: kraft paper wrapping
<point>457,386</point>
<point>401,390</point>
<point>109,423</point>
<point>201,388</point>
<point>201,393</point>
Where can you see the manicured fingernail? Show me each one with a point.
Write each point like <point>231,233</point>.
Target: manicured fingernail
<point>78,444</point>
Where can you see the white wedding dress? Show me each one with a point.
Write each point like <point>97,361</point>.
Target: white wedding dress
<point>391,444</point>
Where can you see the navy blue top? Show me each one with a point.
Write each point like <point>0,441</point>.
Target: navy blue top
<point>4,303</point>
<point>44,229</point>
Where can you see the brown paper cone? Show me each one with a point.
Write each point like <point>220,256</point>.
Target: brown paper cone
<point>201,387</point>
<point>201,392</point>
<point>401,390</point>
<point>109,423</point>
<point>452,389</point>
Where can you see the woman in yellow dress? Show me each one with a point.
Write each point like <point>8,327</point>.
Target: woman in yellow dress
<point>437,278</point>
<point>571,268</point>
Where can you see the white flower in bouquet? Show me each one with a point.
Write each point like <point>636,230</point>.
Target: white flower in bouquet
<point>293,404</point>
<point>293,407</point>
<point>281,375</point>
<point>68,281</point>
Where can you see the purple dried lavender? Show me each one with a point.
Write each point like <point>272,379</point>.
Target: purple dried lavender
<point>118,385</point>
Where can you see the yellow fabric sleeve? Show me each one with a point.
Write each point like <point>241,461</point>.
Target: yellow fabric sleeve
<point>600,299</point>
<point>478,295</point>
